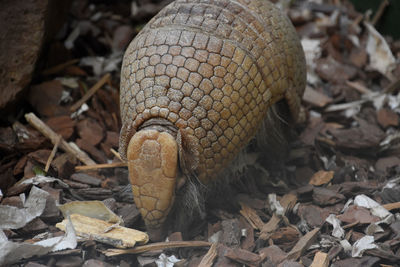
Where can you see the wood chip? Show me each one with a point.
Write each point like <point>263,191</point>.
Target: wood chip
<point>387,117</point>
<point>243,256</point>
<point>321,177</point>
<point>90,130</point>
<point>303,244</point>
<point>273,253</point>
<point>320,260</point>
<point>92,209</point>
<point>208,259</point>
<point>270,227</point>
<point>62,125</point>
<point>156,247</point>
<point>86,179</point>
<point>392,206</point>
<point>316,98</point>
<point>99,230</point>
<point>251,216</point>
<point>288,201</point>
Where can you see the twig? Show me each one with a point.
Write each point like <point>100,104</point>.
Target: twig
<point>379,12</point>
<point>357,21</point>
<point>116,154</point>
<point>101,166</point>
<point>49,133</point>
<point>90,93</point>
<point>157,246</point>
<point>208,259</point>
<point>60,67</point>
<point>350,225</point>
<point>52,154</point>
<point>80,153</point>
<point>359,87</point>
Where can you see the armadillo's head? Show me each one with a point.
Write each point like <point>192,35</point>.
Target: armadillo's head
<point>153,165</point>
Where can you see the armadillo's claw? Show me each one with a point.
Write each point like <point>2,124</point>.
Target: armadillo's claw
<point>153,163</point>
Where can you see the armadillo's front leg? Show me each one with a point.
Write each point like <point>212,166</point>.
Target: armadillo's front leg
<point>153,163</point>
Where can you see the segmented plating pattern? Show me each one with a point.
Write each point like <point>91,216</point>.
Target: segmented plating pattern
<point>212,68</point>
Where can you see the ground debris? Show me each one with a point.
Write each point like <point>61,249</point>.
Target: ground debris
<point>335,200</point>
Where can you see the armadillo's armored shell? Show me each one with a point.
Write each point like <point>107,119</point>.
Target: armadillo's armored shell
<point>212,68</point>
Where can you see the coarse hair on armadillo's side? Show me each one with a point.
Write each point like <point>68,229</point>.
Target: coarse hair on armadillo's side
<point>271,139</point>
<point>189,204</point>
<point>272,136</point>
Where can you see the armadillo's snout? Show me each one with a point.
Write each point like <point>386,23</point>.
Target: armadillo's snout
<point>153,163</point>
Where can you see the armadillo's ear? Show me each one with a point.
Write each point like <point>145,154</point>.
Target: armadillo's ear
<point>188,152</point>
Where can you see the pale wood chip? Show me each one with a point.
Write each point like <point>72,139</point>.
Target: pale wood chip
<point>104,232</point>
<point>288,201</point>
<point>208,259</point>
<point>392,206</point>
<point>321,177</point>
<point>270,227</point>
<point>321,259</point>
<point>251,216</point>
<point>316,98</point>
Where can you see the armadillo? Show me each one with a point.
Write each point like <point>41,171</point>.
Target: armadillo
<point>197,83</point>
